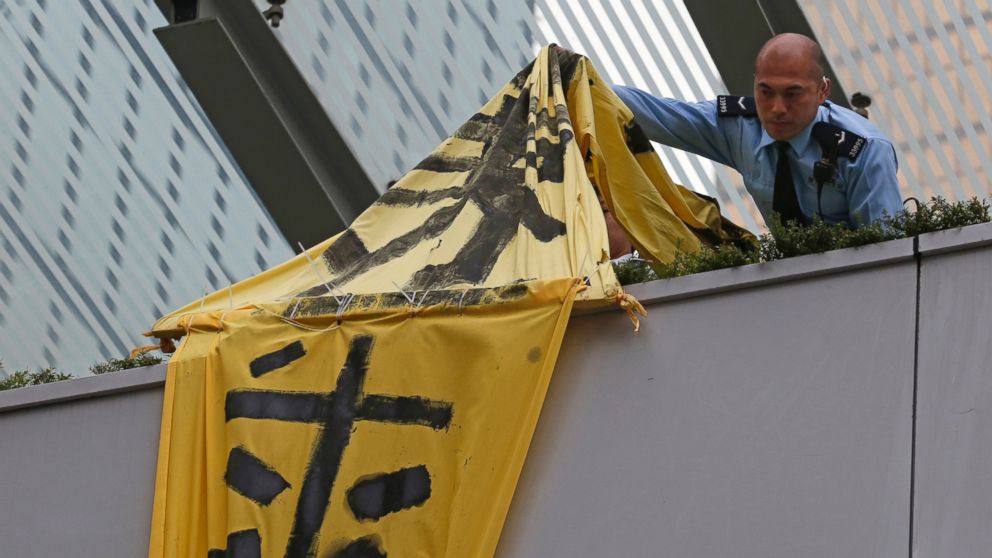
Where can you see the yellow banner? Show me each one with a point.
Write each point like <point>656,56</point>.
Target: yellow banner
<point>512,195</point>
<point>400,433</point>
<point>376,395</point>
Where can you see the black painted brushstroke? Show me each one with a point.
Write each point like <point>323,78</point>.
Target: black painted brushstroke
<point>637,140</point>
<point>475,128</point>
<point>494,184</point>
<point>292,406</point>
<point>434,226</point>
<point>496,187</point>
<point>406,410</point>
<point>380,495</point>
<point>276,359</point>
<point>346,249</point>
<point>244,544</point>
<point>252,478</point>
<point>409,198</point>
<point>440,162</point>
<point>286,406</point>
<point>365,547</point>
<point>552,158</point>
<point>335,413</point>
<point>544,227</point>
<point>328,305</point>
<point>241,544</point>
<point>556,125</point>
<point>479,253</point>
<point>325,459</point>
<point>531,160</point>
<point>520,78</point>
<point>498,191</point>
<point>481,127</point>
<point>568,62</point>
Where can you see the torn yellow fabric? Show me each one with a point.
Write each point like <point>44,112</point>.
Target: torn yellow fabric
<point>404,435</point>
<point>511,195</point>
<point>377,394</point>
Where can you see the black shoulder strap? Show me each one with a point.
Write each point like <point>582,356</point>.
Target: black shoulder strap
<point>837,141</point>
<point>731,105</point>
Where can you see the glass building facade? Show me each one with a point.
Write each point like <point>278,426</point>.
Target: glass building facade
<point>927,64</point>
<point>397,77</point>
<point>118,202</point>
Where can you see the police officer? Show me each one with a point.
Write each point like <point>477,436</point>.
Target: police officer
<point>799,154</point>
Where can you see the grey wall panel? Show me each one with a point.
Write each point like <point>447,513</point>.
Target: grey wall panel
<point>76,479</point>
<point>718,433</point>
<point>953,501</point>
<point>767,415</point>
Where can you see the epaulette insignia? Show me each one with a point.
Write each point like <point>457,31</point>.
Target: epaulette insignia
<point>731,105</point>
<point>846,143</point>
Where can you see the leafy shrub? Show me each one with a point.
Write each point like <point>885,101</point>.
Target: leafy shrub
<point>118,364</point>
<point>22,378</point>
<point>941,214</point>
<point>633,270</point>
<point>707,259</point>
<point>791,239</point>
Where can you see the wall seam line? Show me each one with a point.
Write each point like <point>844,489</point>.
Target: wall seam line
<point>916,374</point>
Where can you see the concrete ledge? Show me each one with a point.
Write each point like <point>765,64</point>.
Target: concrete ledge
<point>135,379</point>
<point>793,433</point>
<point>791,269</point>
<point>700,284</point>
<point>952,240</point>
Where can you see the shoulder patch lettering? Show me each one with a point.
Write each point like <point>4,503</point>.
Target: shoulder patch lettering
<point>732,105</point>
<point>844,142</point>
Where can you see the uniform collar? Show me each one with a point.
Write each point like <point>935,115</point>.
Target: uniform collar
<point>799,142</point>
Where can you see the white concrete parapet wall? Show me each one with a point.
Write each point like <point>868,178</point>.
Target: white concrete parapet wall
<point>827,405</point>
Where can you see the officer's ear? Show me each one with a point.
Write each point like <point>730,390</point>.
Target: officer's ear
<point>824,89</point>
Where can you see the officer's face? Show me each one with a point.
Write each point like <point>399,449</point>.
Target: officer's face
<point>787,91</point>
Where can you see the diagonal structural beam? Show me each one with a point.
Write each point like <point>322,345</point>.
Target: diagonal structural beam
<point>292,154</point>
<point>734,31</point>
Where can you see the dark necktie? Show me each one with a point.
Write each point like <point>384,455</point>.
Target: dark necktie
<point>785,202</point>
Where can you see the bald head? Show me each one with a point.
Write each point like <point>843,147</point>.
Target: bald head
<point>789,84</point>
<point>792,48</point>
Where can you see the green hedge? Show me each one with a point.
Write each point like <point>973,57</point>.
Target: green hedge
<point>22,378</point>
<point>790,240</point>
<point>783,241</point>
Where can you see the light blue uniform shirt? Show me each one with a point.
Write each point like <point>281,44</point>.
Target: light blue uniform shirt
<point>862,191</point>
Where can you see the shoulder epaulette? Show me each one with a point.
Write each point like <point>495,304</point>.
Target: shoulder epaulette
<point>731,105</point>
<point>845,142</point>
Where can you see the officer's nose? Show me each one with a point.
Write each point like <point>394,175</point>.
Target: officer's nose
<point>778,105</point>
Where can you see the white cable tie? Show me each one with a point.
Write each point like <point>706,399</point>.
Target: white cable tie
<point>461,299</point>
<point>292,315</point>
<point>202,301</point>
<point>308,328</point>
<point>411,300</point>
<point>313,266</point>
<point>342,307</point>
<point>299,325</point>
<point>230,297</point>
